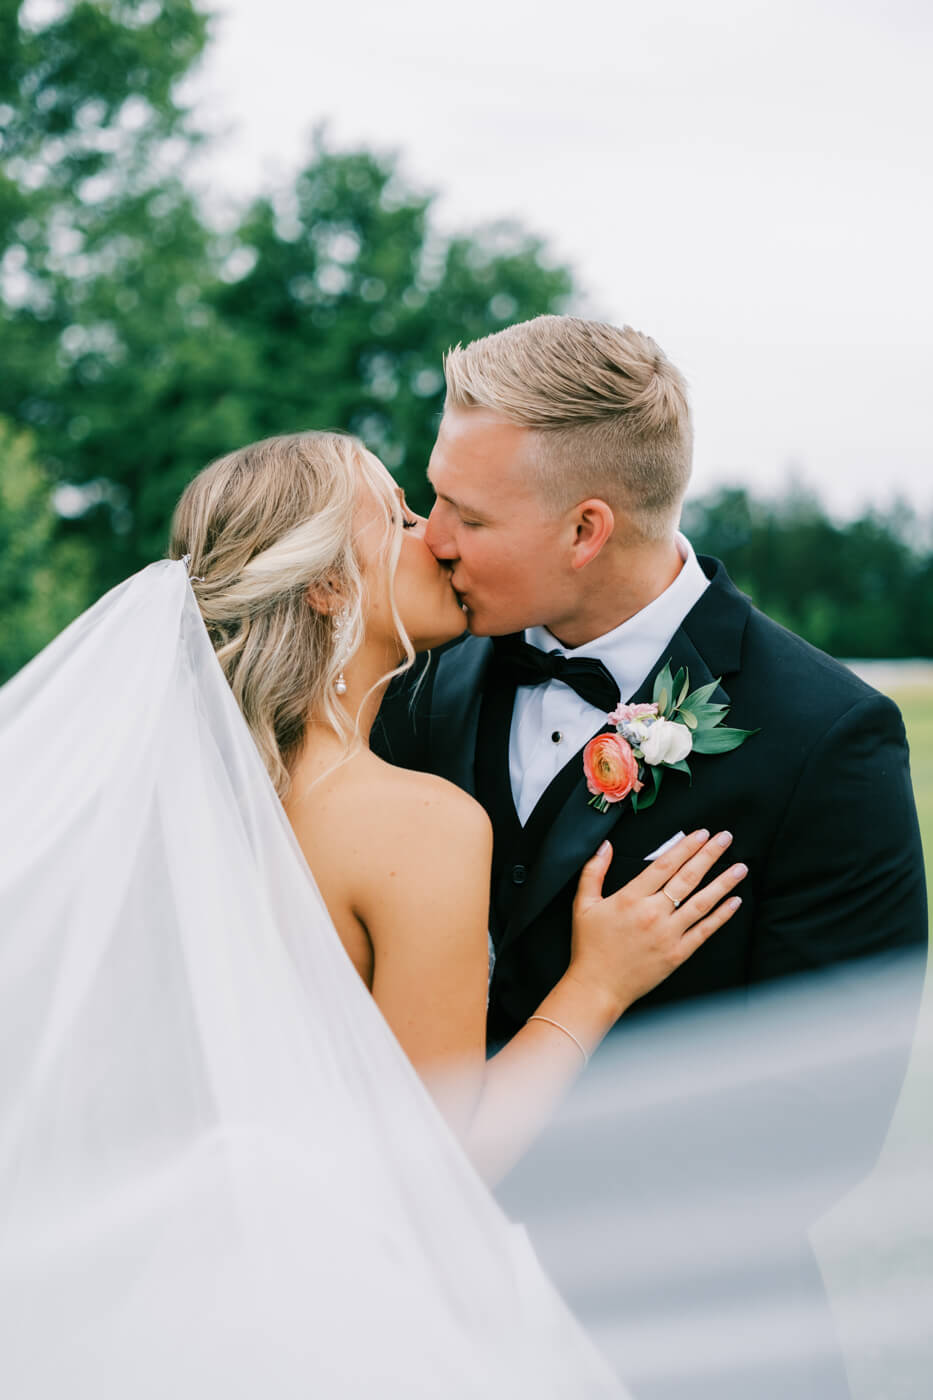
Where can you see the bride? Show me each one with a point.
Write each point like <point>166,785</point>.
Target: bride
<point>219,1172</point>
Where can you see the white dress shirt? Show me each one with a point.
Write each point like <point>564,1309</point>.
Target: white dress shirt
<point>550,722</point>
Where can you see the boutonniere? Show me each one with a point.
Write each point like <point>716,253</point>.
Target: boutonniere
<point>650,738</point>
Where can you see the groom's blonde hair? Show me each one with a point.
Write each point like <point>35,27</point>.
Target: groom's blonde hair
<point>608,409</point>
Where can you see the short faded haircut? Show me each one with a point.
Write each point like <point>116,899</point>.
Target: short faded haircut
<point>608,407</point>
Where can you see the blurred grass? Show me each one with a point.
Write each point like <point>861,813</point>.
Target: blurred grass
<point>916,705</point>
<point>873,1263</point>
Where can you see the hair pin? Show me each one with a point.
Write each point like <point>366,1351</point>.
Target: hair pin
<point>193,578</point>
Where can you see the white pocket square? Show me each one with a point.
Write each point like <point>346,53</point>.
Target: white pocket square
<point>678,836</point>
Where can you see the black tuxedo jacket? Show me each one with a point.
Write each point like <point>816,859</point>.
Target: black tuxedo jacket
<point>822,811</point>
<point>819,801</point>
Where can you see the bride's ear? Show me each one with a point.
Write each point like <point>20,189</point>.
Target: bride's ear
<point>325,597</point>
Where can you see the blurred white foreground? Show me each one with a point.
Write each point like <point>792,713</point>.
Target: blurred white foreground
<point>220,1178</point>
<point>706,1157</point>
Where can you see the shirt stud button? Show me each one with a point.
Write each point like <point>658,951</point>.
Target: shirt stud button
<point>557,737</point>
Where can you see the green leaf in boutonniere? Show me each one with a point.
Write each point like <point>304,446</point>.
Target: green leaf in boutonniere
<point>719,739</point>
<point>663,692</point>
<point>649,790</point>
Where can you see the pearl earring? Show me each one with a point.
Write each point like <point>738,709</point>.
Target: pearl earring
<point>340,621</point>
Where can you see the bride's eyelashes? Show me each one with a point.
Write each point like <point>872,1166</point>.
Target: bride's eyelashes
<point>408,524</point>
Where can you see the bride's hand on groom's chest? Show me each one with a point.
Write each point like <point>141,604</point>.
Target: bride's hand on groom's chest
<point>632,852</point>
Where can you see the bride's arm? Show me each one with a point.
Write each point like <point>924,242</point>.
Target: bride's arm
<point>424,901</point>
<point>423,895</point>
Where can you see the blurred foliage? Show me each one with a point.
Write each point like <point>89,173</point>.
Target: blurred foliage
<point>44,580</point>
<point>341,299</point>
<point>95,228</point>
<point>329,307</point>
<point>139,341</point>
<point>860,589</point>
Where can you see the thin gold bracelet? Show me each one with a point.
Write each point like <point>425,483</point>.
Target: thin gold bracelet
<point>570,1034</point>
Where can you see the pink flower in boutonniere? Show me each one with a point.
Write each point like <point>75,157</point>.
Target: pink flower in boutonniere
<point>624,714</point>
<point>611,768</point>
<point>634,722</point>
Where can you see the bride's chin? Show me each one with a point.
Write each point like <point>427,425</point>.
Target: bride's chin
<point>445,632</point>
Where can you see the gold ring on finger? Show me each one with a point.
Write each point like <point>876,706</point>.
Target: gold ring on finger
<point>675,902</point>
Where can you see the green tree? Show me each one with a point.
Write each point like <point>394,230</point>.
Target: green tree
<point>328,307</point>
<point>95,223</point>
<point>139,343</point>
<point>351,299</point>
<point>43,579</point>
<point>90,126</point>
<point>860,589</point>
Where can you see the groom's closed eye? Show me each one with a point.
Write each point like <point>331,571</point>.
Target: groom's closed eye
<point>467,516</point>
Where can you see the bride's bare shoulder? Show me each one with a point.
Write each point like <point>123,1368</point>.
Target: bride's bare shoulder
<point>390,813</point>
<point>404,803</point>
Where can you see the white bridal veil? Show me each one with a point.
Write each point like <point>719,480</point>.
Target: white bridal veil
<point>219,1175</point>
<point>220,1178</point>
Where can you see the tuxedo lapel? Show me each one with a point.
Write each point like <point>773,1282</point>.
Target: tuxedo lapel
<point>708,643</point>
<point>681,652</point>
<point>711,632</point>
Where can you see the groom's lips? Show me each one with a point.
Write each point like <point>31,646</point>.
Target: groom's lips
<point>461,597</point>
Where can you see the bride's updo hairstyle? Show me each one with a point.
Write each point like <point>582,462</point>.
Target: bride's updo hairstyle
<point>269,529</point>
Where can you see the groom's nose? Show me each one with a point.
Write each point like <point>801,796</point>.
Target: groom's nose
<point>437,536</point>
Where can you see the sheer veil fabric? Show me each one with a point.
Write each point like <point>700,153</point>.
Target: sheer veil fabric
<point>219,1175</point>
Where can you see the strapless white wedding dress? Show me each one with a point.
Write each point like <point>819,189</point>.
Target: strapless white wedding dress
<point>219,1175</point>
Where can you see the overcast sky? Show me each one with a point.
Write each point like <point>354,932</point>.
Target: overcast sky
<point>747,181</point>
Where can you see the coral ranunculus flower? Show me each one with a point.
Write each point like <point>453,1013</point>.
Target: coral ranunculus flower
<point>610,767</point>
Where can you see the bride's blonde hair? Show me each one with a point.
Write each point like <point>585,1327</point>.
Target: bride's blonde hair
<point>269,529</point>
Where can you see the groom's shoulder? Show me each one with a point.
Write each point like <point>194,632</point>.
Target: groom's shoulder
<point>776,660</point>
<point>772,648</point>
<point>465,649</point>
<point>402,732</point>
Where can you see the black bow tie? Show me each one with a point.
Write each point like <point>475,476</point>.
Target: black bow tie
<point>515,662</point>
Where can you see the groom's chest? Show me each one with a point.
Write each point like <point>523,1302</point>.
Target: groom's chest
<point>538,852</point>
<point>549,725</point>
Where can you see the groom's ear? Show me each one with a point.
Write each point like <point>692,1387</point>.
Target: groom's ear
<point>593,522</point>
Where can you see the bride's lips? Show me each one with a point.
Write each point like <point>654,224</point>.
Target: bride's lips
<point>460,597</point>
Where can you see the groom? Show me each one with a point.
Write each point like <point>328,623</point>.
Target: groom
<point>559,471</point>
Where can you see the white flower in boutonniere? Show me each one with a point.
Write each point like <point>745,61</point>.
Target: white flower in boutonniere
<point>650,738</point>
<point>667,742</point>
